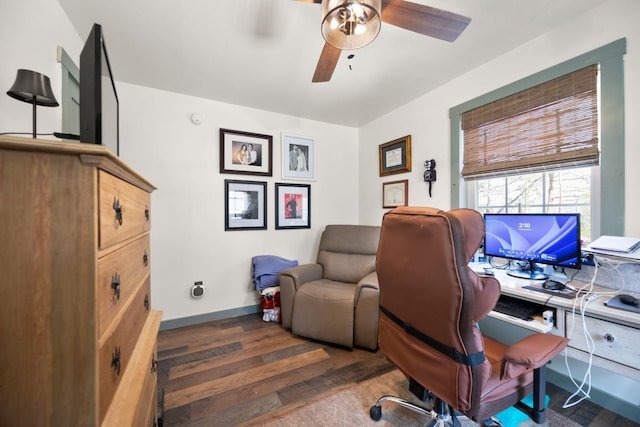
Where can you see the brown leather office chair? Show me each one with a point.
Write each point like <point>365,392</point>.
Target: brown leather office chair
<point>336,298</point>
<point>430,303</point>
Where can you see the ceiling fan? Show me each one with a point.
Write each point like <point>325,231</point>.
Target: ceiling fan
<point>351,24</point>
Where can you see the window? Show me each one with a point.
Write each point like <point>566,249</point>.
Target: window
<point>560,191</point>
<point>550,129</point>
<point>606,191</point>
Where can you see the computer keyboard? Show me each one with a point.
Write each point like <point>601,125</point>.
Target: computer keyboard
<point>517,308</point>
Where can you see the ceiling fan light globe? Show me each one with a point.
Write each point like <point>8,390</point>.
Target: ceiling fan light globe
<point>350,24</point>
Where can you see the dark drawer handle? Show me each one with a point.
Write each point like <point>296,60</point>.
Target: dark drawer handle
<point>154,364</point>
<point>115,285</point>
<point>115,360</point>
<point>145,259</point>
<point>146,302</point>
<point>118,210</point>
<point>146,213</point>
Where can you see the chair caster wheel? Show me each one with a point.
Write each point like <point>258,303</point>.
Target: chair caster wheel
<point>375,412</point>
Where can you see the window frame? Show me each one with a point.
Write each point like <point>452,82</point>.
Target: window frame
<point>610,204</point>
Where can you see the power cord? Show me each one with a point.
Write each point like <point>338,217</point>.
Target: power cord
<point>586,295</point>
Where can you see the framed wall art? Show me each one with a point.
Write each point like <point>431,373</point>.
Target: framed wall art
<point>293,206</point>
<point>395,156</point>
<point>298,157</point>
<point>395,193</point>
<point>245,205</point>
<point>245,153</point>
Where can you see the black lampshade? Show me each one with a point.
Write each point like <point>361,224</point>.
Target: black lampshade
<point>34,88</point>
<point>30,84</point>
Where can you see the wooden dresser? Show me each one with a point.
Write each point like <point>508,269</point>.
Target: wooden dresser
<point>77,332</point>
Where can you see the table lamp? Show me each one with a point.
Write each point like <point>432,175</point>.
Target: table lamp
<point>34,88</point>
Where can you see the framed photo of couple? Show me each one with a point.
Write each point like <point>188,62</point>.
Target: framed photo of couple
<point>293,206</point>
<point>245,153</point>
<point>298,157</point>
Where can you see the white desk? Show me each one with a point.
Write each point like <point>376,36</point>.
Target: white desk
<point>615,332</point>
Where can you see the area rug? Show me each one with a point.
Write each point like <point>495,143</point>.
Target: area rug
<point>350,407</point>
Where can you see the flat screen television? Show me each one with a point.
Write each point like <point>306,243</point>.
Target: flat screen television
<point>99,107</point>
<point>533,239</point>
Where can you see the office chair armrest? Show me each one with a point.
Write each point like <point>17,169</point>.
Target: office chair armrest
<point>531,353</point>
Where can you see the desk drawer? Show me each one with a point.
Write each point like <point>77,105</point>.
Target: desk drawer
<point>119,275</point>
<point>124,210</point>
<point>614,342</point>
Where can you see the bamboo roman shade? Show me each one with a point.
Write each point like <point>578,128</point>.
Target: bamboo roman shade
<point>548,126</point>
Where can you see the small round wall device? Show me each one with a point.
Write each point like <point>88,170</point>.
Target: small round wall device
<point>196,118</point>
<point>197,291</point>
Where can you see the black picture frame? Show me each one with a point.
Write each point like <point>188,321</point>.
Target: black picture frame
<point>293,206</point>
<point>256,161</point>
<point>245,205</point>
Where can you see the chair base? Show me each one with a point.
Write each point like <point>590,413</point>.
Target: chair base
<point>439,413</point>
<point>443,416</point>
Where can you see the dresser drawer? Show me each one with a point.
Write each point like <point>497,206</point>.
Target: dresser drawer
<point>118,344</point>
<point>125,210</point>
<point>120,274</point>
<point>134,403</point>
<point>614,342</point>
<point>146,409</point>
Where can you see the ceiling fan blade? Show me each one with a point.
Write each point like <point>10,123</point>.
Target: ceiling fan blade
<point>310,1</point>
<point>326,64</point>
<point>423,19</point>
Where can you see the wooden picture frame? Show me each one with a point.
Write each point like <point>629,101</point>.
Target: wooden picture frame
<point>293,206</point>
<point>395,156</point>
<point>245,205</point>
<point>245,153</point>
<point>298,157</point>
<point>395,193</point>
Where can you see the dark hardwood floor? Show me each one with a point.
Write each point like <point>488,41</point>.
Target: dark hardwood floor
<point>240,370</point>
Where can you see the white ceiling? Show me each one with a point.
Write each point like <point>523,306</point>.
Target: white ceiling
<point>262,53</point>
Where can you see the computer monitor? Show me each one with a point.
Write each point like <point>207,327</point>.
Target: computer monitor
<point>552,239</point>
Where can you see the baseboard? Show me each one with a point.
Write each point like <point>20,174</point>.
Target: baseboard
<point>208,317</point>
<point>598,396</point>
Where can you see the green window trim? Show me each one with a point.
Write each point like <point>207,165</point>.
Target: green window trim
<point>611,62</point>
<point>70,96</point>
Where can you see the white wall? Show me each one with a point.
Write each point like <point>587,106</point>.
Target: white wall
<point>188,240</point>
<point>157,138</point>
<point>182,159</point>
<point>426,118</point>
<point>30,32</point>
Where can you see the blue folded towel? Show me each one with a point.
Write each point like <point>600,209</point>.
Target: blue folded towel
<point>267,268</point>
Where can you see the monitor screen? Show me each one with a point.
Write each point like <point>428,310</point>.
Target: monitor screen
<point>552,239</point>
<point>99,107</point>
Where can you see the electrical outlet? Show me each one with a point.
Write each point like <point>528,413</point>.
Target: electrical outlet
<point>198,290</point>
<point>587,259</point>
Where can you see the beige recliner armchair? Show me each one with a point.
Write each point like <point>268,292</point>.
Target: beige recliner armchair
<point>336,299</point>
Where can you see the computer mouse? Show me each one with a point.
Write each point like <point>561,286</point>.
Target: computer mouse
<point>553,285</point>
<point>629,300</point>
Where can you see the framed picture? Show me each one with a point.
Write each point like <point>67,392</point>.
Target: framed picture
<point>298,157</point>
<point>293,206</point>
<point>395,193</point>
<point>245,205</point>
<point>395,156</point>
<point>245,153</point>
